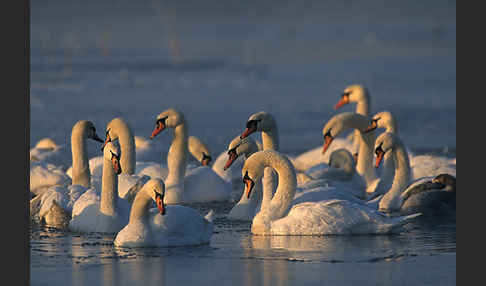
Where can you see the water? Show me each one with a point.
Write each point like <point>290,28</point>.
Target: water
<point>219,63</point>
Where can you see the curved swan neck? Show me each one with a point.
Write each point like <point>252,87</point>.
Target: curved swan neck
<point>363,105</point>
<point>80,171</point>
<point>177,156</point>
<point>141,205</point>
<point>392,199</point>
<point>364,167</point>
<point>270,139</point>
<point>127,145</point>
<point>284,194</point>
<point>109,189</point>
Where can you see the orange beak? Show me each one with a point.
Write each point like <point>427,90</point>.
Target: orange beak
<point>116,165</point>
<point>159,200</point>
<point>379,158</point>
<point>160,126</point>
<point>247,132</point>
<point>327,143</point>
<point>343,101</point>
<point>371,127</point>
<point>248,187</point>
<point>231,159</point>
<point>107,139</point>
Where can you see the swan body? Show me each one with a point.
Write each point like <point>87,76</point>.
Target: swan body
<point>404,197</point>
<point>55,192</point>
<point>166,226</point>
<point>200,184</point>
<point>280,217</point>
<point>104,211</point>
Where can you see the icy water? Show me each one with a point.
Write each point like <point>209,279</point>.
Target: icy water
<point>219,62</point>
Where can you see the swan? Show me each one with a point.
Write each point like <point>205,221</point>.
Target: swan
<point>347,120</point>
<point>200,184</point>
<point>103,211</point>
<point>246,207</point>
<point>53,190</point>
<point>280,217</point>
<point>404,197</point>
<point>421,165</point>
<point>359,94</point>
<point>165,226</point>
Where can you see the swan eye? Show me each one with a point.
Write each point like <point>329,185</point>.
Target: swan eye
<point>379,150</point>
<point>161,121</point>
<point>113,155</point>
<point>328,133</point>
<point>346,94</point>
<point>232,151</point>
<point>252,123</point>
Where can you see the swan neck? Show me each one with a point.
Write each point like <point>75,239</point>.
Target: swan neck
<point>127,146</point>
<point>270,139</point>
<point>177,156</point>
<point>364,167</point>
<point>401,179</point>
<point>363,106</point>
<point>109,189</point>
<point>140,207</point>
<point>80,171</point>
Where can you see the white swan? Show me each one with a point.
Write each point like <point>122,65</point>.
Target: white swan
<point>55,192</point>
<point>421,165</point>
<point>164,226</point>
<point>200,184</point>
<point>246,207</point>
<point>350,120</point>
<point>279,217</point>
<point>404,197</point>
<point>104,211</point>
<point>359,94</point>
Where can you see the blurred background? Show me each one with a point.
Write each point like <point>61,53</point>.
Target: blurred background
<point>221,61</point>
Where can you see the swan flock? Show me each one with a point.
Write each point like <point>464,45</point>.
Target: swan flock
<point>366,183</point>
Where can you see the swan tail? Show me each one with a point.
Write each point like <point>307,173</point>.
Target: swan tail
<point>210,216</point>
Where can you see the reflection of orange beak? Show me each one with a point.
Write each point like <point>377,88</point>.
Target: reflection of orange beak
<point>157,130</point>
<point>160,204</point>
<point>247,132</point>
<point>231,159</point>
<point>344,100</point>
<point>379,158</point>
<point>327,143</point>
<point>248,187</point>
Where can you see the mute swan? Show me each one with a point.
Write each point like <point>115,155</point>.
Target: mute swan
<point>404,197</point>
<point>359,94</point>
<point>51,184</point>
<point>200,184</point>
<point>246,207</point>
<point>421,165</point>
<point>279,217</point>
<point>347,120</point>
<point>106,211</point>
<point>167,226</point>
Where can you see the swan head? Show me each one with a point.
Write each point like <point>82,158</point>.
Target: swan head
<point>252,172</point>
<point>446,181</point>
<point>156,190</point>
<point>88,130</point>
<point>334,127</point>
<point>380,120</point>
<point>383,144</point>
<point>237,146</point>
<point>112,128</point>
<point>353,93</point>
<point>168,118</point>
<point>111,152</point>
<point>260,121</point>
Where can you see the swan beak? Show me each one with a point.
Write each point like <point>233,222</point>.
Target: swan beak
<point>116,165</point>
<point>371,127</point>
<point>159,200</point>
<point>247,132</point>
<point>249,184</point>
<point>343,101</point>
<point>108,139</point>
<point>160,126</point>
<point>327,143</point>
<point>379,158</point>
<point>231,159</point>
